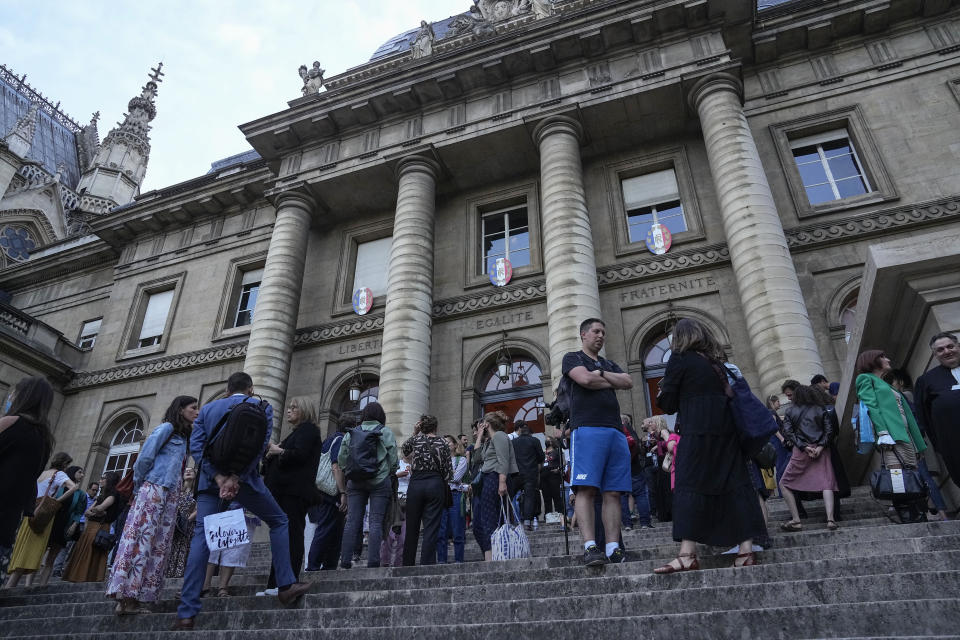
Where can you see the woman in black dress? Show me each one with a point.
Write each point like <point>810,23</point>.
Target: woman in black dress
<point>714,502</point>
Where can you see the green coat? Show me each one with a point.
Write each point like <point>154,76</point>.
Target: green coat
<point>386,453</point>
<point>881,402</point>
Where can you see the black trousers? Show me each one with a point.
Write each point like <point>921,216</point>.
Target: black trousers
<point>425,503</point>
<point>552,493</point>
<point>530,502</point>
<point>328,536</point>
<point>296,509</point>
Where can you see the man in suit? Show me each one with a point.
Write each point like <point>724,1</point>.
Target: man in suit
<point>937,398</point>
<point>217,489</point>
<point>530,458</point>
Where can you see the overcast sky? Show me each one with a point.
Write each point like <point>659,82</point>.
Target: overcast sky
<point>226,63</point>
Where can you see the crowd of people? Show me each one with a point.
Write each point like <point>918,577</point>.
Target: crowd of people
<point>408,502</point>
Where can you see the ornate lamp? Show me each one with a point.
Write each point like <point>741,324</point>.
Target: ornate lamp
<point>504,365</point>
<point>356,384</point>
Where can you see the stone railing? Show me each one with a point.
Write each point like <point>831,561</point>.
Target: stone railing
<point>13,319</point>
<point>39,337</point>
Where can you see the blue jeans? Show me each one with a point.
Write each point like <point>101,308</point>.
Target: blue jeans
<point>451,519</point>
<point>262,505</point>
<point>357,495</point>
<point>641,497</point>
<point>328,536</point>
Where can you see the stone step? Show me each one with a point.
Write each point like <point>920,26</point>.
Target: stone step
<point>896,617</point>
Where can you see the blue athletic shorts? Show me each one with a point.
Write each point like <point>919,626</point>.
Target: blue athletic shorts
<point>600,457</point>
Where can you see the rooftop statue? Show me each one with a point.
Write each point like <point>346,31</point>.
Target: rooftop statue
<point>542,8</point>
<point>472,22</point>
<point>423,45</point>
<point>498,10</point>
<point>312,78</point>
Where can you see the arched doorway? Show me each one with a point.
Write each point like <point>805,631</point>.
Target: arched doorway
<point>125,445</point>
<point>520,396</point>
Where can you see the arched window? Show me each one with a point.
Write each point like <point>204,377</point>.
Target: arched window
<point>848,313</point>
<point>520,396</point>
<point>17,242</point>
<point>125,446</point>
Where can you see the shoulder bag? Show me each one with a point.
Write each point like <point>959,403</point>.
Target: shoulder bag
<point>45,509</point>
<point>104,540</point>
<point>325,481</point>
<point>754,422</point>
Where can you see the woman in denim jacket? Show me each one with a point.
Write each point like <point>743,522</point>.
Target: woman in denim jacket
<point>141,557</point>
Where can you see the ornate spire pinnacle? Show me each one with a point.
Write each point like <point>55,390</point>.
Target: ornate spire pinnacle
<point>20,138</point>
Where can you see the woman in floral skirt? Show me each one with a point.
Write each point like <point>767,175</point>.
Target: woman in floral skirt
<point>141,557</point>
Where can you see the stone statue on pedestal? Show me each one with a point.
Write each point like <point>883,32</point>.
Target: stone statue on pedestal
<point>312,78</point>
<point>423,45</point>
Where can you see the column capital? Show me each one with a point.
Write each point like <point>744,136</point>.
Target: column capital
<point>557,124</point>
<point>720,81</point>
<point>417,163</point>
<point>298,197</point>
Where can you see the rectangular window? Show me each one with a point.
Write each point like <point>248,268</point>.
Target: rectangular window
<point>506,234</point>
<point>829,167</point>
<point>88,334</point>
<point>370,270</point>
<point>653,198</point>
<point>155,318</point>
<point>249,288</point>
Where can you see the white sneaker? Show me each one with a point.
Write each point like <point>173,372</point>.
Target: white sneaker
<point>268,592</point>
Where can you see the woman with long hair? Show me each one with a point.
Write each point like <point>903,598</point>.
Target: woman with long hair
<point>30,545</point>
<point>431,467</point>
<point>88,562</point>
<point>499,463</point>
<point>291,473</point>
<point>808,428</point>
<point>714,501</point>
<point>895,428</point>
<point>64,523</point>
<point>141,558</point>
<point>25,446</point>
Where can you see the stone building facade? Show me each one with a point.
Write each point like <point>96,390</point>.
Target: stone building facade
<point>773,145</point>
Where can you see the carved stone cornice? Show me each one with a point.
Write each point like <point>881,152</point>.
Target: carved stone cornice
<point>219,354</point>
<point>674,262</point>
<point>478,303</point>
<point>814,236</point>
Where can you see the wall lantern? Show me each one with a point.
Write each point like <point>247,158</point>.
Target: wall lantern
<point>504,365</point>
<point>356,384</point>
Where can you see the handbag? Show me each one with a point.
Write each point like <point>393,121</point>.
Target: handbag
<point>44,510</point>
<point>325,481</point>
<point>104,540</point>
<point>890,484</point>
<point>509,541</point>
<point>766,457</point>
<point>667,462</point>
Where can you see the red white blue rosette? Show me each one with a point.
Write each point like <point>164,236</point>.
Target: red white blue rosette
<point>362,301</point>
<point>659,239</point>
<point>501,272</point>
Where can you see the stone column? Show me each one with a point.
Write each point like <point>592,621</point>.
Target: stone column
<point>568,257</point>
<point>270,348</point>
<point>773,305</point>
<point>405,355</point>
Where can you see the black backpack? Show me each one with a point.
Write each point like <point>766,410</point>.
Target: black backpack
<point>237,440</point>
<point>364,461</point>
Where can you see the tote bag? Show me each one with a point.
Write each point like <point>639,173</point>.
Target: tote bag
<point>226,530</point>
<point>509,541</point>
<point>44,510</point>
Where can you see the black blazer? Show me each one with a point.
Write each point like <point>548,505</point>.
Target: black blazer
<point>529,455</point>
<point>294,472</point>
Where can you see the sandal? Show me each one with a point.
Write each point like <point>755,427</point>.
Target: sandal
<point>833,526</point>
<point>223,593</point>
<point>669,568</point>
<point>793,525</point>
<point>750,559</point>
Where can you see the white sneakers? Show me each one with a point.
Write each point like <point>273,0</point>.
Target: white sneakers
<point>268,592</point>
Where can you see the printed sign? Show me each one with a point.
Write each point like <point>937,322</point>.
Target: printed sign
<point>501,273</point>
<point>362,301</point>
<point>659,239</point>
<point>226,530</point>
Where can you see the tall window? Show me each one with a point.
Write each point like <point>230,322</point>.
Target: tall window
<point>88,333</point>
<point>848,315</point>
<point>653,197</point>
<point>829,167</point>
<point>506,234</point>
<point>370,270</point>
<point>125,446</point>
<point>249,288</point>
<point>155,318</point>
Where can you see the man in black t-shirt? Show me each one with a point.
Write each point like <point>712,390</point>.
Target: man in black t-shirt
<point>600,457</point>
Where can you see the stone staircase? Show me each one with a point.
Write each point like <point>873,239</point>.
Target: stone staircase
<point>870,579</point>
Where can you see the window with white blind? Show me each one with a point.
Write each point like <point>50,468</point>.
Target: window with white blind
<point>652,198</point>
<point>88,333</point>
<point>370,269</point>
<point>155,318</point>
<point>249,289</point>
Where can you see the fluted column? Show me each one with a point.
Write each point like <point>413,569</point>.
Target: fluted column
<point>773,305</point>
<point>568,256</point>
<point>278,302</point>
<point>405,358</point>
